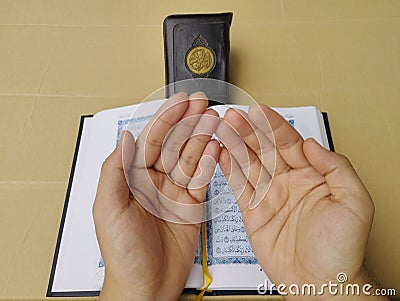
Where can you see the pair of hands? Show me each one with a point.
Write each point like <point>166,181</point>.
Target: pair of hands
<point>313,223</point>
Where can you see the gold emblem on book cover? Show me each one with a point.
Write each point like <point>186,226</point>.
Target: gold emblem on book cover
<point>200,59</point>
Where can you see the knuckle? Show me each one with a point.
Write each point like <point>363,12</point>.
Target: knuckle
<point>105,164</point>
<point>189,159</point>
<point>345,160</point>
<point>201,138</point>
<point>95,210</point>
<point>152,142</point>
<point>172,145</point>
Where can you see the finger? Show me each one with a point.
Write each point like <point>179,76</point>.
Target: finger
<point>345,185</point>
<point>180,132</point>
<point>289,143</point>
<point>261,153</point>
<point>254,138</point>
<point>231,132</point>
<point>150,140</point>
<point>234,143</point>
<point>247,197</point>
<point>113,191</point>
<point>204,172</point>
<point>128,150</point>
<point>200,102</point>
<point>258,177</point>
<point>174,142</point>
<point>194,148</point>
<point>238,182</point>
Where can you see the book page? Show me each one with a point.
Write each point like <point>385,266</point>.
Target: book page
<point>76,268</point>
<point>308,121</point>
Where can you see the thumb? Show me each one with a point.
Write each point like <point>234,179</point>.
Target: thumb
<point>113,190</point>
<point>345,185</point>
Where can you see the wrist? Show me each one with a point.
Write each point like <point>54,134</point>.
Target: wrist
<point>114,290</point>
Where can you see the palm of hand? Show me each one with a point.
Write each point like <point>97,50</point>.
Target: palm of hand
<point>309,238</point>
<point>146,250</point>
<point>140,250</point>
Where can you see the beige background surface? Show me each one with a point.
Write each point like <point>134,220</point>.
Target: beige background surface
<point>62,59</point>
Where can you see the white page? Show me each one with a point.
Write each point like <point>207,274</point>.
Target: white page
<point>78,254</point>
<point>308,121</point>
<point>79,265</point>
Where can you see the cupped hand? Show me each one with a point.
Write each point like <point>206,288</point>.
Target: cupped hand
<point>149,257</point>
<point>315,219</point>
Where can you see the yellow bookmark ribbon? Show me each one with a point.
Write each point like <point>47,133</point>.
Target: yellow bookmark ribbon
<point>206,274</point>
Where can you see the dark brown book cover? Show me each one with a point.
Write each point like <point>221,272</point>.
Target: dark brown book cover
<point>196,46</point>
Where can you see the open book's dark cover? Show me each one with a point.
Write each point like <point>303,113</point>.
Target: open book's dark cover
<point>50,293</point>
<point>328,131</point>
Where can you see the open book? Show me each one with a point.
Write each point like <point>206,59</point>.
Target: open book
<point>78,268</point>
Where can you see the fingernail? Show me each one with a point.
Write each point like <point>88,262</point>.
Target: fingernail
<point>198,95</point>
